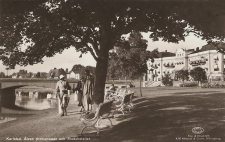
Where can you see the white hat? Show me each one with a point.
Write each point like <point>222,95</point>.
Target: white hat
<point>61,76</point>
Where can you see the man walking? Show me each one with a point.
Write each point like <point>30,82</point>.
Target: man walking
<point>63,90</point>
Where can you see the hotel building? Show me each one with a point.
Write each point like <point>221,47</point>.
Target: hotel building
<point>207,58</point>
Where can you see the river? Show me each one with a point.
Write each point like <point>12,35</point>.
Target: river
<point>25,103</point>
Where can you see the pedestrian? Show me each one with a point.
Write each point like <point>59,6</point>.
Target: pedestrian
<point>88,87</point>
<point>63,90</point>
<point>110,91</point>
<point>79,88</point>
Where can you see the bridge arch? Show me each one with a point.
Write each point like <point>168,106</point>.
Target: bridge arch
<point>8,86</point>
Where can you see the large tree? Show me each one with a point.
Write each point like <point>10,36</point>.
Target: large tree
<point>130,58</point>
<point>198,74</point>
<point>182,75</point>
<point>94,26</point>
<point>79,68</point>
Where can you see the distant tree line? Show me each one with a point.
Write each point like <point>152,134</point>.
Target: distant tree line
<point>53,73</point>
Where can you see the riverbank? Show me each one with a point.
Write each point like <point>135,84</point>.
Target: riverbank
<point>162,114</point>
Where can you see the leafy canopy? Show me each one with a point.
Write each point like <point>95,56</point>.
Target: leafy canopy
<point>182,74</point>
<point>198,74</point>
<point>130,57</point>
<point>48,27</point>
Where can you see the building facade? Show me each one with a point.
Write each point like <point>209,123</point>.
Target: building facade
<point>73,75</point>
<point>210,60</point>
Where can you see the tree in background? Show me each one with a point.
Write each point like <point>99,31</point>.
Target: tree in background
<point>113,67</point>
<point>78,68</point>
<point>167,80</point>
<point>198,74</point>
<point>130,59</point>
<point>43,75</point>
<point>2,75</point>
<point>48,27</point>
<point>38,75</point>
<point>182,75</point>
<point>91,69</point>
<point>55,73</point>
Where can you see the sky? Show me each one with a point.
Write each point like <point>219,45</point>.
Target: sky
<point>70,57</point>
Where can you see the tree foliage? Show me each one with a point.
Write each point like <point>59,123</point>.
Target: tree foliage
<point>130,59</point>
<point>78,68</point>
<point>2,75</point>
<point>198,74</point>
<point>48,27</point>
<point>182,75</point>
<point>38,75</point>
<point>167,80</point>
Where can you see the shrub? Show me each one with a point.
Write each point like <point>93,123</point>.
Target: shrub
<point>167,81</point>
<point>189,84</point>
<point>213,85</point>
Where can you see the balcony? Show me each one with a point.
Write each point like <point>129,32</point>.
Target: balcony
<point>168,65</point>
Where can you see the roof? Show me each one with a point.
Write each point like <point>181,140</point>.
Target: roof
<point>76,72</point>
<point>14,74</point>
<point>165,54</point>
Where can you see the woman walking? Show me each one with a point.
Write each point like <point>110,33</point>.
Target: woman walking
<point>79,88</point>
<point>88,90</point>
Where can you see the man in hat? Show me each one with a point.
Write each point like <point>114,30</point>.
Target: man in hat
<point>63,90</point>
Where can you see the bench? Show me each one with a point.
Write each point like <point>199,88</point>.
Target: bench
<point>102,112</point>
<point>117,95</point>
<point>125,103</point>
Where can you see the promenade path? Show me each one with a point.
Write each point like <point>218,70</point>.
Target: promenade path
<point>47,124</point>
<point>163,114</point>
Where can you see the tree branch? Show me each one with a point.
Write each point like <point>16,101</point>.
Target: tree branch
<point>92,52</point>
<point>94,43</point>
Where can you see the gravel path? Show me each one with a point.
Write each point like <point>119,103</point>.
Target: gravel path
<point>42,124</point>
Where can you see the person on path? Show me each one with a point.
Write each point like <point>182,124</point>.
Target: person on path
<point>88,87</point>
<point>79,88</point>
<point>63,90</point>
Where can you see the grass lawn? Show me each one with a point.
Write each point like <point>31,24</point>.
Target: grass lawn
<point>168,114</point>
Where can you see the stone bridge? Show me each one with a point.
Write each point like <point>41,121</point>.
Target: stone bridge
<point>8,86</point>
<point>47,83</point>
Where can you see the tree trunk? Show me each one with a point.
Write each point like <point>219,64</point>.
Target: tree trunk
<point>102,62</point>
<point>140,88</point>
<point>126,82</point>
<point>101,73</point>
<point>0,99</point>
<point>101,70</point>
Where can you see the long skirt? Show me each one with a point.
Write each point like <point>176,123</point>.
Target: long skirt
<point>86,102</point>
<point>80,98</point>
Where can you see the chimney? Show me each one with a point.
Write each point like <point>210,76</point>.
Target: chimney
<point>165,50</point>
<point>66,70</point>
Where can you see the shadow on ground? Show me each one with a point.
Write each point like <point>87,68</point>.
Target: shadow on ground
<point>164,119</point>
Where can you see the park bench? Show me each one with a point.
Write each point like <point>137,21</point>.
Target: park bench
<point>102,112</point>
<point>125,103</point>
<point>117,95</point>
